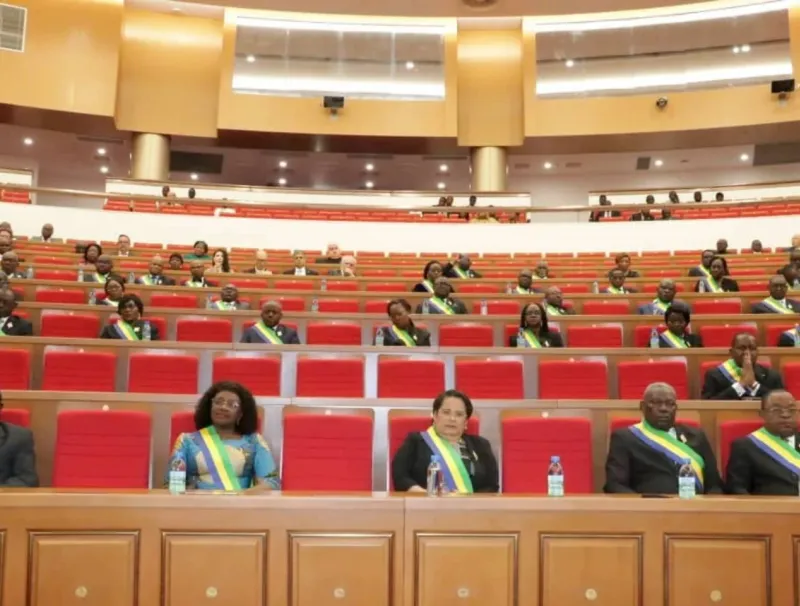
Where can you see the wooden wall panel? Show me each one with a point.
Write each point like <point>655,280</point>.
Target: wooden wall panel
<point>169,73</point>
<point>70,60</point>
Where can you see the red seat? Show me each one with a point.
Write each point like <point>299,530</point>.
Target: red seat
<point>573,379</point>
<point>86,441</point>
<point>386,287</point>
<point>71,325</point>
<point>340,306</point>
<point>717,306</point>
<point>295,285</point>
<point>182,421</point>
<point>16,416</point>
<point>342,285</point>
<point>162,373</point>
<point>261,375</point>
<point>383,273</point>
<point>596,335</point>
<point>774,332</point>
<point>333,333</point>
<point>498,308</point>
<point>330,377</point>
<point>400,377</point>
<point>633,377</point>
<point>286,303</point>
<point>15,368</point>
<point>79,371</point>
<point>529,442</point>
<point>791,377</point>
<point>622,422</point>
<point>733,430</point>
<point>495,379</point>
<point>173,301</point>
<point>574,289</point>
<point>466,334</point>
<point>722,335</point>
<point>478,288</point>
<point>641,334</point>
<point>54,274</point>
<point>615,307</point>
<point>376,307</point>
<point>60,295</point>
<point>204,330</point>
<point>759,287</point>
<point>326,452</point>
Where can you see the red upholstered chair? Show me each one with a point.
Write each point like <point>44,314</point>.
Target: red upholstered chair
<point>162,373</point>
<point>528,442</point>
<point>501,379</point>
<point>248,282</point>
<point>333,333</point>
<point>498,308</point>
<point>791,377</point>
<point>760,286</point>
<point>102,449</point>
<point>330,377</point>
<point>385,273</point>
<point>342,285</point>
<point>326,452</point>
<point>717,306</point>
<point>15,368</point>
<point>72,325</point>
<point>376,307</point>
<point>261,375</point>
<point>478,288</point>
<point>774,332</point>
<point>16,416</point>
<point>55,274</point>
<point>596,335</point>
<point>574,289</point>
<point>641,334</point>
<point>60,295</point>
<point>400,377</point>
<point>79,371</point>
<point>634,376</point>
<point>346,306</point>
<point>173,301</point>
<point>733,430</point>
<point>607,307</point>
<point>386,287</point>
<point>573,379</point>
<point>205,330</point>
<point>287,303</point>
<point>295,285</point>
<point>466,334</point>
<point>182,421</point>
<point>722,335</point>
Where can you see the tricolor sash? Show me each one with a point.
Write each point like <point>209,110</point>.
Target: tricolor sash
<point>777,448</point>
<point>193,284</point>
<point>660,305</point>
<point>217,460</point>
<point>455,474</point>
<point>464,275</point>
<point>108,301</point>
<point>706,273</point>
<point>611,290</point>
<point>731,371</point>
<point>555,311</point>
<point>712,285</point>
<point>672,448</point>
<point>794,334</point>
<point>441,305</point>
<point>531,339</point>
<point>674,340</point>
<point>98,277</point>
<point>523,291</point>
<point>148,279</point>
<point>777,306</point>
<point>267,334</point>
<point>224,305</point>
<point>126,331</point>
<point>428,285</point>
<point>403,336</point>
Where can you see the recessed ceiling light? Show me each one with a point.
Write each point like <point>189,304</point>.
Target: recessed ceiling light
<point>744,157</point>
<point>27,141</point>
<point>104,169</point>
<point>548,165</point>
<point>369,185</point>
<point>409,65</point>
<point>441,185</point>
<point>175,9</point>
<point>736,50</point>
<point>369,167</point>
<point>659,163</point>
<point>193,176</point>
<point>101,151</point>
<point>569,63</point>
<point>745,48</point>
<point>251,58</point>
<point>283,164</point>
<point>443,168</point>
<point>281,181</point>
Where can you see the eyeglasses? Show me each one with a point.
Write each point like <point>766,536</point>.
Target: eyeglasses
<point>781,412</point>
<point>456,414</point>
<point>223,403</point>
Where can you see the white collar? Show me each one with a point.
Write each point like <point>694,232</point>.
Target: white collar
<point>790,440</point>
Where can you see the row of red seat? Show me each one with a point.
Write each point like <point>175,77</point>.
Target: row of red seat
<point>83,459</point>
<point>398,377</point>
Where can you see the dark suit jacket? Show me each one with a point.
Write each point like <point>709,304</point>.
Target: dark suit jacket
<point>17,456</point>
<point>309,272</point>
<point>419,287</point>
<point>421,337</point>
<point>786,340</point>
<point>752,471</point>
<point>717,387</point>
<point>252,270</point>
<point>457,306</point>
<point>691,340</point>
<point>642,217</point>
<point>329,261</point>
<point>449,271</point>
<point>410,464</point>
<point>633,467</point>
<point>727,284</point>
<point>287,335</point>
<point>17,327</point>
<point>695,272</point>
<point>760,308</point>
<point>163,281</point>
<point>89,276</point>
<point>109,332</point>
<point>551,339</point>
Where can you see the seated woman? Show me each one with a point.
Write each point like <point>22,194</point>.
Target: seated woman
<point>199,252</point>
<point>220,264</point>
<point>226,452</point>
<point>402,332</point>
<point>677,318</point>
<point>114,289</point>
<point>623,261</point>
<point>431,273</point>
<point>91,253</point>
<point>130,326</point>
<point>467,461</point>
<point>441,302</point>
<point>533,330</point>
<point>175,261</point>
<point>717,280</point>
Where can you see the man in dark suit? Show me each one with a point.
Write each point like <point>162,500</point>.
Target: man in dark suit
<point>9,263</point>
<point>740,378</point>
<point>333,255</point>
<point>269,329</point>
<point>777,302</point>
<point>156,276</point>
<point>460,269</point>
<point>441,302</point>
<point>554,303</point>
<point>17,455</point>
<point>636,465</point>
<point>10,324</point>
<point>229,300</point>
<point>104,266</point>
<point>703,270</point>
<point>260,265</point>
<point>596,215</point>
<point>300,268</point>
<point>767,461</point>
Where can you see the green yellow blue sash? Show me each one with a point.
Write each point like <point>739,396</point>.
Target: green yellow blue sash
<point>193,284</point>
<point>460,272</point>
<point>673,449</point>
<point>403,336</point>
<point>428,285</point>
<point>224,305</point>
<point>455,474</point>
<point>523,291</point>
<point>777,448</point>
<point>555,311</point>
<point>712,285</point>
<point>794,334</point>
<point>126,331</point>
<point>217,460</point>
<point>100,278</point>
<point>730,370</point>
<point>530,338</point>
<point>109,302</point>
<point>611,290</point>
<point>660,305</point>
<point>673,340</point>
<point>441,305</point>
<point>266,333</point>
<point>706,273</point>
<point>148,279</point>
<point>776,306</point>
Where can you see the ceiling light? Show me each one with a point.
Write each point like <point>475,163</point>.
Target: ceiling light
<point>569,63</point>
<point>281,181</point>
<point>283,164</point>
<point>443,168</point>
<point>548,165</point>
<point>369,168</point>
<point>744,157</point>
<point>101,151</point>
<point>433,29</point>
<point>251,58</point>
<point>409,65</point>
<point>27,141</point>
<point>193,176</point>
<point>735,50</point>
<point>745,48</point>
<point>659,163</point>
<point>441,185</point>
<point>369,185</point>
<point>104,169</point>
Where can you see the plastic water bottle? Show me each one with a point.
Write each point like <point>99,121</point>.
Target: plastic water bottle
<point>29,272</point>
<point>555,478</point>
<point>701,286</point>
<point>131,278</point>
<point>426,306</point>
<point>435,478</point>
<point>80,274</point>
<point>686,481</point>
<point>654,341</point>
<point>521,340</point>
<point>323,284</point>
<point>379,337</point>
<point>209,302</point>
<point>595,287</point>
<point>484,307</point>
<point>147,332</point>
<point>177,476</point>
<point>92,297</point>
<point>314,305</point>
<point>509,289</point>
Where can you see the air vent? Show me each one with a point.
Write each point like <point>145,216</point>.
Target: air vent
<point>12,27</point>
<point>643,163</point>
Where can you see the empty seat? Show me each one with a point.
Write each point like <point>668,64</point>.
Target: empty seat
<point>330,377</point>
<point>528,443</point>
<point>400,377</point>
<point>333,333</point>
<point>79,371</point>
<point>633,377</point>
<point>641,334</point>
<point>498,308</point>
<point>55,274</point>
<point>717,306</point>
<point>386,287</point>
<point>346,306</point>
<point>326,452</point>
<point>162,373</point>
<point>791,377</point>
<point>573,379</point>
<point>16,416</point>
<point>173,301</point>
<point>342,285</point>
<point>478,288</point>
<point>722,335</point>
<point>204,330</point>
<point>60,295</point>
<point>71,325</point>
<point>466,334</point>
<point>15,368</point>
<point>375,306</point>
<point>286,303</point>
<point>295,285</point>
<point>261,375</point>
<point>596,335</point>
<point>501,379</point>
<point>733,430</point>
<point>102,449</point>
<point>616,307</point>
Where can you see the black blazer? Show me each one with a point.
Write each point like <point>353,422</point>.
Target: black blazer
<point>457,306</point>
<point>691,340</point>
<point>642,217</point>
<point>727,284</point>
<point>633,467</point>
<point>752,471</point>
<point>450,272</point>
<point>162,281</point>
<point>287,335</point>
<point>760,308</point>
<point>410,464</point>
<point>696,272</point>
<point>717,387</point>
<point>550,339</point>
<point>109,332</point>
<point>785,340</point>
<point>309,272</point>
<point>17,456</point>
<point>17,327</point>
<point>421,337</point>
<point>419,287</point>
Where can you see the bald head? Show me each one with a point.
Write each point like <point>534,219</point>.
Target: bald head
<point>659,405</point>
<point>9,262</point>
<point>553,296</point>
<point>666,290</point>
<point>47,231</point>
<point>271,313</point>
<point>779,411</point>
<point>104,264</point>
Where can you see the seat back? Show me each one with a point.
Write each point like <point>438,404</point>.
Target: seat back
<point>60,295</point>
<point>400,377</point>
<point>287,303</point>
<point>15,368</point>
<point>339,306</point>
<point>386,287</point>
<point>774,332</point>
<point>606,307</point>
<point>342,285</point>
<point>56,274</point>
<point>79,371</point>
<point>791,377</point>
<point>70,325</point>
<point>596,336</point>
<point>173,301</point>
<point>717,306</point>
<point>733,430</point>
<point>330,377</point>
<point>478,288</point>
<point>501,307</point>
<point>295,285</point>
<point>573,379</point>
<point>261,375</point>
<point>181,421</point>
<point>16,416</point>
<point>501,379</point>
<point>376,306</point>
<point>633,377</point>
<point>722,335</point>
<point>204,330</point>
<point>162,373</point>
<point>333,333</point>
<point>466,334</point>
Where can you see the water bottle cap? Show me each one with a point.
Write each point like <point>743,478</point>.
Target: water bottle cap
<point>555,459</point>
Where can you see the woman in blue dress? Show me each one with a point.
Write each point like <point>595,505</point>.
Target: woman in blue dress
<point>227,452</point>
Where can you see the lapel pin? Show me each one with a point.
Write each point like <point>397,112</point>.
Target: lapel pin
<point>683,438</point>
<point>415,337</point>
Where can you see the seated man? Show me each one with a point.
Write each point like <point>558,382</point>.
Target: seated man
<point>702,270</point>
<point>542,271</point>
<point>722,246</point>
<point>6,241</point>
<point>665,295</point>
<point>554,303</point>
<point>460,269</point>
<point>441,302</point>
<point>47,235</point>
<point>300,269</point>
<point>645,458</point>
<point>524,283</point>
<point>123,246</point>
<point>197,270</point>
<point>740,377</point>
<point>104,265</point>
<point>156,276</point>
<point>229,300</point>
<point>269,329</point>
<point>12,325</point>
<point>767,461</point>
<point>10,265</point>
<point>333,255</point>
<point>259,265</point>
<point>616,278</point>
<point>17,456</point>
<point>756,246</point>
<point>347,268</point>
<point>776,302</point>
